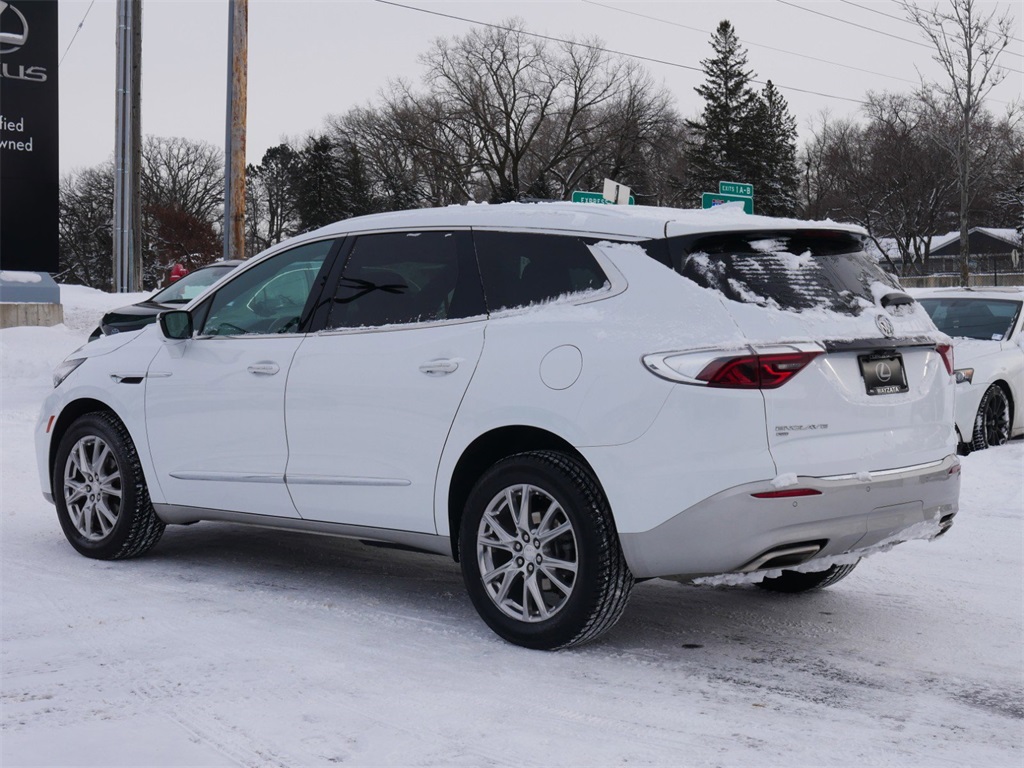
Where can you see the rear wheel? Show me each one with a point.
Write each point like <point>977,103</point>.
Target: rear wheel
<point>794,581</point>
<point>540,554</point>
<point>101,496</point>
<point>992,424</point>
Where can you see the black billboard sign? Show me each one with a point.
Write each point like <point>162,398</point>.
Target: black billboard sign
<point>29,132</point>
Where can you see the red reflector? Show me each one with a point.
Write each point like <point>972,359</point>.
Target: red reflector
<point>786,493</point>
<point>946,353</point>
<point>955,469</point>
<point>49,424</point>
<point>755,371</point>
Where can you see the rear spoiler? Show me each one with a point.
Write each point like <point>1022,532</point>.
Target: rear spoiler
<point>864,345</point>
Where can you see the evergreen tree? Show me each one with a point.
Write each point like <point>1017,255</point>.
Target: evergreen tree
<point>317,183</point>
<point>357,196</point>
<point>775,178</point>
<point>742,135</point>
<point>722,144</point>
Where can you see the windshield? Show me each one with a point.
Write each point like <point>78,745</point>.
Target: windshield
<point>973,318</point>
<point>792,270</point>
<point>191,285</point>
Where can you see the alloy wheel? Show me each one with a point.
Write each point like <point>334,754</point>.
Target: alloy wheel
<point>527,553</point>
<point>92,488</point>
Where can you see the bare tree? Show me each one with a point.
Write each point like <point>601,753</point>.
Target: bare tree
<point>528,116</point>
<point>967,45</point>
<point>182,201</point>
<point>86,226</point>
<point>886,175</point>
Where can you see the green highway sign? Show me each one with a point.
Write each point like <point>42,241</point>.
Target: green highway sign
<point>710,200</point>
<point>735,188</point>
<point>595,197</point>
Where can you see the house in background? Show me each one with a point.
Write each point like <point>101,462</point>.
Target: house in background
<point>997,258</point>
<point>993,251</point>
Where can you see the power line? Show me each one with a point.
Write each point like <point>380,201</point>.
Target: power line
<point>747,42</point>
<point>908,21</point>
<point>861,26</point>
<point>592,47</point>
<point>880,13</point>
<point>79,29</point>
<point>854,24</point>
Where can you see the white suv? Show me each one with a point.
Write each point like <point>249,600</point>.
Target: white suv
<point>563,397</point>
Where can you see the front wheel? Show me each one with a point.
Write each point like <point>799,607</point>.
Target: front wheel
<point>794,581</point>
<point>540,554</point>
<point>101,496</point>
<point>992,424</point>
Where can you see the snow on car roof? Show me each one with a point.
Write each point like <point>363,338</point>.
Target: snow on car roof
<point>1009,292</point>
<point>639,221</point>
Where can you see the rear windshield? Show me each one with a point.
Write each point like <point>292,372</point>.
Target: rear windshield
<point>973,318</point>
<point>789,270</point>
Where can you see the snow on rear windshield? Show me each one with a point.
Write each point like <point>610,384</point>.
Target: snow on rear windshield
<point>792,271</point>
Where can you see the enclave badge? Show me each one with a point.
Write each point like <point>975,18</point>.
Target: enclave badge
<point>885,326</point>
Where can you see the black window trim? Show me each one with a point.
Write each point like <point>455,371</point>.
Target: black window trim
<point>318,324</point>
<point>615,280</point>
<point>200,312</point>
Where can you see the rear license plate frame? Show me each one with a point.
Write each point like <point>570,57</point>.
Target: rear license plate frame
<point>884,373</point>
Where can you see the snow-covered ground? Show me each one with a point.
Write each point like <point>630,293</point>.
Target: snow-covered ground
<point>236,646</point>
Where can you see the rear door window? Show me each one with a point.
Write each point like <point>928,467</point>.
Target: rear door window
<point>793,270</point>
<point>407,277</point>
<point>520,269</point>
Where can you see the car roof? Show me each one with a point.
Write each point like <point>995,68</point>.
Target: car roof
<point>1007,292</point>
<point>629,221</point>
<point>223,263</point>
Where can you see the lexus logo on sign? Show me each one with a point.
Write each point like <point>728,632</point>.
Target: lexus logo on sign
<point>883,371</point>
<point>885,326</point>
<point>13,40</point>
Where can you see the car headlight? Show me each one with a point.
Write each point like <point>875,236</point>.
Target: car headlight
<point>65,369</point>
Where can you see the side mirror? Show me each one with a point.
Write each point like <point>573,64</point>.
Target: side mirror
<point>176,324</point>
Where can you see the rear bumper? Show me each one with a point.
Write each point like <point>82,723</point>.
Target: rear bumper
<point>733,531</point>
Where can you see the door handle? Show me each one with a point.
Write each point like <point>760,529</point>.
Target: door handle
<point>439,367</point>
<point>263,369</point>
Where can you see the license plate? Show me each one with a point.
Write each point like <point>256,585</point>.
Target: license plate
<point>883,373</point>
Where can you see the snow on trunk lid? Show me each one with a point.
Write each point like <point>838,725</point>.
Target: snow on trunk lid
<point>880,397</point>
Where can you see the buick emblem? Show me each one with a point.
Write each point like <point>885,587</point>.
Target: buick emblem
<point>12,41</point>
<point>885,326</point>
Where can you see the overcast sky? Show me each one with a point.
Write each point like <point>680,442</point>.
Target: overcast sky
<point>311,59</point>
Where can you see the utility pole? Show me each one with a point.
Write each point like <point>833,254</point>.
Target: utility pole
<point>234,143</point>
<point>128,149</point>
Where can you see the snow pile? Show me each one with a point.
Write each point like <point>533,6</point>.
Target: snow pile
<point>785,480</point>
<point>20,277</point>
<point>83,307</point>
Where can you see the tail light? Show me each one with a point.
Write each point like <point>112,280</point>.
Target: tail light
<point>767,371</point>
<point>946,353</point>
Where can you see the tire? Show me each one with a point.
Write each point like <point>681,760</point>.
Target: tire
<point>554,577</point>
<point>101,496</point>
<point>794,581</point>
<point>992,424</point>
